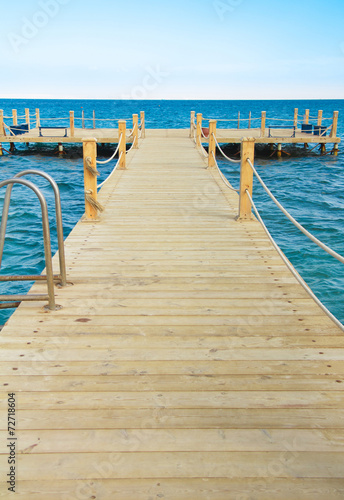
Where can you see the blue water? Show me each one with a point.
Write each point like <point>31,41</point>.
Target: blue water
<point>310,186</point>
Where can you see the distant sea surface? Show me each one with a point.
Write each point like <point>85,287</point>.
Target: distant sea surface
<point>310,186</point>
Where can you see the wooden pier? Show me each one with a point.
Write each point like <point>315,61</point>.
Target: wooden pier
<point>186,361</point>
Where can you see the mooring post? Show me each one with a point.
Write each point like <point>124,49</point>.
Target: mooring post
<point>15,116</point>
<point>143,124</point>
<point>192,123</point>
<point>212,143</point>
<point>199,129</point>
<point>38,119</point>
<point>246,178</point>
<point>27,116</point>
<point>296,117</point>
<point>306,117</point>
<point>136,131</point>
<point>320,116</point>
<point>71,123</point>
<point>90,180</point>
<point>334,124</point>
<point>122,127</point>
<point>263,123</point>
<point>61,152</point>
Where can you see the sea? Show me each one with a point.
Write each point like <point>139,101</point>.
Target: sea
<point>309,185</point>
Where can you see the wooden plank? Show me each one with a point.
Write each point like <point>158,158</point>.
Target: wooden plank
<point>183,489</point>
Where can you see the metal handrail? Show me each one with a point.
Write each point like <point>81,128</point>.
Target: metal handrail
<point>46,239</point>
<point>58,213</point>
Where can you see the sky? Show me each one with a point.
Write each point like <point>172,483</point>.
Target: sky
<point>173,49</point>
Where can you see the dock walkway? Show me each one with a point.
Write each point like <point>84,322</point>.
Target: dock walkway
<point>186,361</point>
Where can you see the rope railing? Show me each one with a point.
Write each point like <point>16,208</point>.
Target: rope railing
<point>223,154</point>
<point>294,221</point>
<point>291,267</point>
<point>100,162</point>
<point>223,178</point>
<point>110,175</point>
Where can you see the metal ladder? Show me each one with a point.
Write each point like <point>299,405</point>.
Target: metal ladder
<point>15,300</point>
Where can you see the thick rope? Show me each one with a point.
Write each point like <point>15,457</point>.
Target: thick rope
<point>112,157</point>
<point>89,167</point>
<point>292,269</point>
<point>301,228</point>
<point>223,154</point>
<point>222,176</point>
<point>108,177</point>
<point>94,203</point>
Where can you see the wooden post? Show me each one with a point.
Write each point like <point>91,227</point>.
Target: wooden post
<point>192,121</point>
<point>143,124</point>
<point>320,115</point>
<point>246,178</point>
<point>263,123</point>
<point>136,131</point>
<point>94,119</point>
<point>212,143</point>
<point>296,116</point>
<point>71,123</point>
<point>27,116</point>
<point>238,120</point>
<point>306,118</point>
<point>38,119</point>
<point>15,116</point>
<point>249,120</point>
<point>199,129</point>
<point>122,127</point>
<point>90,180</point>
<point>82,119</point>
<point>334,124</point>
<point>2,126</point>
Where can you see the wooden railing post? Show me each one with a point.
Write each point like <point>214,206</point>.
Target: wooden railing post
<point>82,119</point>
<point>143,124</point>
<point>334,124</point>
<point>136,131</point>
<point>94,119</point>
<point>38,119</point>
<point>192,122</point>
<point>320,116</point>
<point>238,120</point>
<point>263,124</point>
<point>296,117</point>
<point>199,129</point>
<point>306,118</point>
<point>122,127</point>
<point>71,123</point>
<point>249,119</point>
<point>15,116</point>
<point>246,178</point>
<point>90,180</point>
<point>2,126</point>
<point>212,143</point>
<point>27,116</point>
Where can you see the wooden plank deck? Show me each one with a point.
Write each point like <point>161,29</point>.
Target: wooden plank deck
<point>186,361</point>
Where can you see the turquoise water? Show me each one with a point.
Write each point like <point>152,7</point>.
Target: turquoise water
<point>310,186</point>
